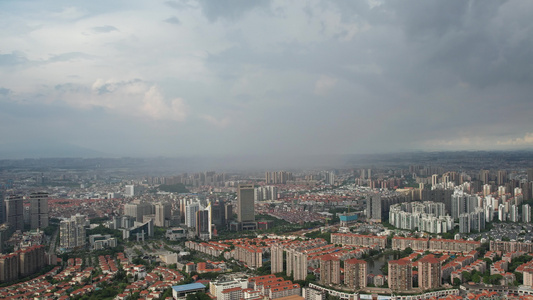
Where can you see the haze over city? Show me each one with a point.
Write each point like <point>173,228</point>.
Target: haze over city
<point>213,78</point>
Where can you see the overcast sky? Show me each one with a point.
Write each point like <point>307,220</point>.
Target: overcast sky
<point>172,78</point>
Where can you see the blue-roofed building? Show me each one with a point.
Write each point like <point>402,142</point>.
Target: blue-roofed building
<point>348,218</point>
<point>180,291</point>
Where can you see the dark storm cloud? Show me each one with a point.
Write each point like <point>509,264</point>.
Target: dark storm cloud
<point>472,40</point>
<point>306,77</point>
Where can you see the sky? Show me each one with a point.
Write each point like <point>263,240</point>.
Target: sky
<point>240,77</point>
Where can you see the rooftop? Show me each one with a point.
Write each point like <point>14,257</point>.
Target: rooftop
<point>188,287</point>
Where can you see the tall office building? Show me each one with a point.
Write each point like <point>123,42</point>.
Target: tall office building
<point>190,214</point>
<point>218,213</point>
<point>530,174</point>
<point>15,212</point>
<point>373,207</point>
<point>330,178</point>
<point>163,213</point>
<point>400,275</point>
<point>355,273</point>
<point>245,203</point>
<point>429,273</point>
<point>228,212</point>
<point>39,210</point>
<point>203,222</point>
<point>137,210</point>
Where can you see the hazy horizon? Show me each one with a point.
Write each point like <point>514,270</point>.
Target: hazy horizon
<point>264,78</point>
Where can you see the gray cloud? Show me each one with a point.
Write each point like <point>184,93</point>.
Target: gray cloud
<point>173,20</point>
<point>180,5</point>
<point>13,59</point>
<point>230,10</point>
<point>104,29</point>
<point>280,77</point>
<point>69,56</point>
<point>4,91</point>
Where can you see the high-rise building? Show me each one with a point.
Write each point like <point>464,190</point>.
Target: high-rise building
<point>276,258</point>
<point>400,275</point>
<point>9,267</point>
<point>163,213</point>
<point>129,190</point>
<point>72,232</point>
<point>526,213</point>
<point>15,212</point>
<point>22,263</point>
<point>487,189</point>
<point>330,270</point>
<point>228,212</point>
<point>280,177</point>
<point>463,203</point>
<point>298,261</point>
<point>137,210</point>
<point>330,178</point>
<point>355,272</point>
<point>429,273</point>
<point>373,207</point>
<point>484,176</point>
<point>190,214</point>
<point>39,210</point>
<point>434,179</point>
<point>502,214</point>
<point>218,213</point>
<point>203,222</point>
<point>502,177</point>
<point>530,174</point>
<point>31,260</point>
<point>513,213</point>
<point>245,203</point>
<point>2,209</point>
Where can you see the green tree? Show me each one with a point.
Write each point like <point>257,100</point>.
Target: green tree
<point>456,282</point>
<point>467,276</point>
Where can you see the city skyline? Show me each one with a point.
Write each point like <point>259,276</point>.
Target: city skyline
<point>181,78</point>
